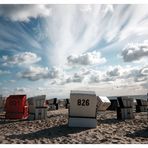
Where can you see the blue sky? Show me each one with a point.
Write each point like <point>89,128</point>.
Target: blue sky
<point>52,49</point>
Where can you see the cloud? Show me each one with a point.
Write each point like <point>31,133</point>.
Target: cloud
<point>24,58</point>
<point>20,89</point>
<point>94,79</point>
<point>109,8</point>
<point>81,27</point>
<point>85,8</point>
<point>140,75</point>
<point>24,13</point>
<point>144,71</point>
<point>41,89</point>
<point>55,73</point>
<point>133,52</point>
<point>84,27</point>
<point>76,78</point>
<point>126,73</point>
<point>34,73</point>
<point>73,31</point>
<point>4,72</point>
<point>145,85</point>
<point>119,74</point>
<point>88,58</point>
<point>113,72</point>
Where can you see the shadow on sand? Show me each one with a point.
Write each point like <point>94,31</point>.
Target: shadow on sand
<point>53,132</point>
<point>140,133</point>
<point>109,121</point>
<point>6,121</point>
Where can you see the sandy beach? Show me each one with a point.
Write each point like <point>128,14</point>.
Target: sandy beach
<point>55,130</point>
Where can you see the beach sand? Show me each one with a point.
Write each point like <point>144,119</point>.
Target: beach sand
<point>55,130</point>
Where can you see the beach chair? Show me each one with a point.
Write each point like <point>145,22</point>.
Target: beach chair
<point>16,107</point>
<point>125,109</point>
<point>142,105</point>
<point>82,110</point>
<point>37,107</point>
<point>52,104</point>
<point>103,103</point>
<point>62,103</point>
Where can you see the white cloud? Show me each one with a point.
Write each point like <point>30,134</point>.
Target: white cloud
<point>85,8</point>
<point>145,85</point>
<point>88,58</point>
<point>80,27</point>
<point>133,52</point>
<point>113,72</point>
<point>77,29</point>
<point>144,71</point>
<point>35,73</point>
<point>127,73</point>
<point>55,73</point>
<point>109,8</point>
<point>24,12</point>
<point>41,89</point>
<point>136,22</point>
<point>117,73</point>
<point>76,78</point>
<point>94,79</point>
<point>24,58</point>
<point>21,89</point>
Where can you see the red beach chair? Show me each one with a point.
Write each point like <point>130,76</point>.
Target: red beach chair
<point>16,107</point>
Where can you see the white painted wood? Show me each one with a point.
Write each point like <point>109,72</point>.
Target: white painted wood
<point>40,113</point>
<point>36,101</point>
<point>128,102</point>
<point>83,104</point>
<point>82,122</point>
<point>103,103</point>
<point>82,92</point>
<point>82,109</point>
<point>127,113</point>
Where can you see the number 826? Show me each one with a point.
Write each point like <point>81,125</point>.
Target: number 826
<point>83,102</point>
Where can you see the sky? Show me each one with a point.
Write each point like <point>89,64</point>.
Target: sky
<point>53,49</point>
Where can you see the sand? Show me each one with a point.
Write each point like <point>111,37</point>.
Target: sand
<point>54,130</point>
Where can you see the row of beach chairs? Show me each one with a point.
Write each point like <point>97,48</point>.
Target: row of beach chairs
<point>33,108</point>
<point>82,105</point>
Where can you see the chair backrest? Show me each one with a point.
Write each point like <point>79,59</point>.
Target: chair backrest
<point>15,103</point>
<point>125,102</point>
<point>103,103</point>
<point>83,104</point>
<point>120,102</point>
<point>37,101</point>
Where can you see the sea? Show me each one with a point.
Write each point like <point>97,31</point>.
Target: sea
<point>145,97</point>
